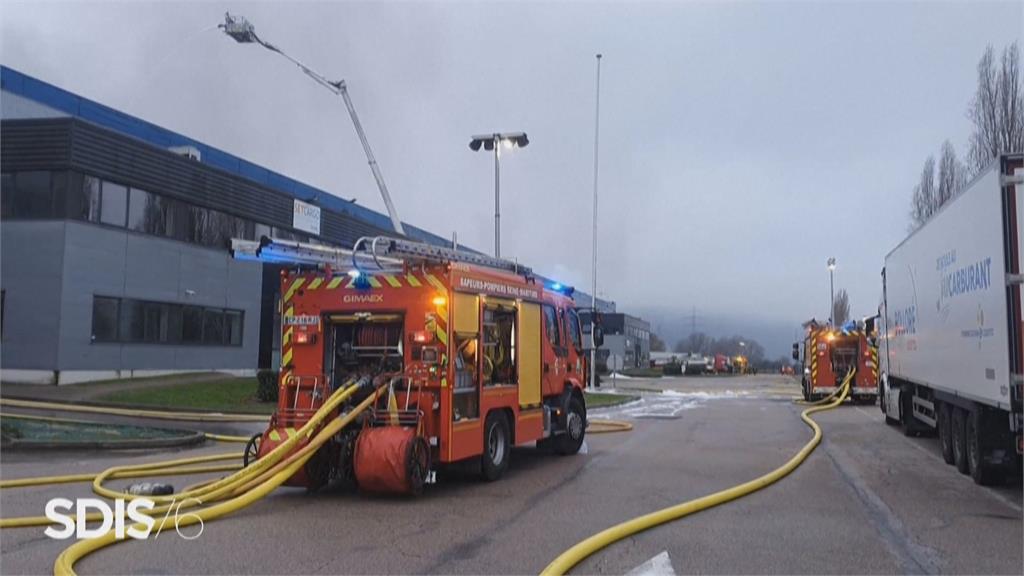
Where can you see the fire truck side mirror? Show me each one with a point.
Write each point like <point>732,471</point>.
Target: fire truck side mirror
<point>796,351</point>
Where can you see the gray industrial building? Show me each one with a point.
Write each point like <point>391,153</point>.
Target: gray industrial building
<point>115,238</point>
<point>625,336</point>
<point>115,234</point>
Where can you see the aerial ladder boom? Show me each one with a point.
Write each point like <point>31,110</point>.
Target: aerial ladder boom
<point>383,252</point>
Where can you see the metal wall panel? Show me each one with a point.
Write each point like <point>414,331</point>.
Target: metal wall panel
<point>30,276</point>
<point>107,261</point>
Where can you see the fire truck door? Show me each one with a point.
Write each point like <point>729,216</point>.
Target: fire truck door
<point>466,389</point>
<point>529,354</point>
<point>553,357</point>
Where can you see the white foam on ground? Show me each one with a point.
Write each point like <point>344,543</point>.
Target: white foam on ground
<point>704,395</point>
<point>660,565</point>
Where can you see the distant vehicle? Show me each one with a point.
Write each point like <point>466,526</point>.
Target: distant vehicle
<point>723,364</point>
<point>695,364</point>
<point>740,364</point>
<point>951,343</point>
<point>829,353</point>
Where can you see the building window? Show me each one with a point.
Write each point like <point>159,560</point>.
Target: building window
<point>82,200</point>
<point>260,231</point>
<point>104,319</point>
<point>130,320</point>
<point>192,325</point>
<point>213,326</point>
<point>28,195</point>
<point>133,321</point>
<point>73,195</point>
<point>151,214</point>
<point>233,327</point>
<point>113,204</point>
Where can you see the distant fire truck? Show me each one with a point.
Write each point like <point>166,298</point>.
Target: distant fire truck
<point>829,353</point>
<point>479,355</point>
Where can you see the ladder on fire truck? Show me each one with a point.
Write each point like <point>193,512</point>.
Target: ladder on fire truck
<point>384,252</point>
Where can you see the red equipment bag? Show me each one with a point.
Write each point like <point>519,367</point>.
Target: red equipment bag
<point>391,459</point>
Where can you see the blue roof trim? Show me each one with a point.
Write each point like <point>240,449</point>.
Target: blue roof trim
<point>49,95</point>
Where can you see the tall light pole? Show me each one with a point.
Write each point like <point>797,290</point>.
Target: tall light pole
<point>243,32</point>
<point>832,288</point>
<point>593,272</point>
<point>494,142</point>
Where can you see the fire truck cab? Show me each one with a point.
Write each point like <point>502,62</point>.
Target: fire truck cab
<point>480,353</point>
<point>829,353</point>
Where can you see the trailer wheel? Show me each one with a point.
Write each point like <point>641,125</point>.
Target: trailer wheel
<point>575,429</point>
<point>945,431</point>
<point>983,473</point>
<point>957,436</point>
<point>252,450</point>
<point>497,448</point>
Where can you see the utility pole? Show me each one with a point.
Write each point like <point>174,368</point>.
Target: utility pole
<point>593,276</point>
<point>832,289</point>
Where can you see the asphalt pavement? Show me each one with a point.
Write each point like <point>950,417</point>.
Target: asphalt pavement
<point>868,501</point>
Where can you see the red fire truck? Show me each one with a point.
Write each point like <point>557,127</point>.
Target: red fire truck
<point>473,354</point>
<point>829,353</point>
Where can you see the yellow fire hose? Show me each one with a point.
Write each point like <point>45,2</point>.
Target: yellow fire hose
<point>582,550</point>
<point>88,477</point>
<point>157,414</point>
<point>205,492</point>
<point>601,426</point>
<point>64,565</point>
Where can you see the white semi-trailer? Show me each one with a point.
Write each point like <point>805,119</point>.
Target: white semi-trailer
<point>950,345</point>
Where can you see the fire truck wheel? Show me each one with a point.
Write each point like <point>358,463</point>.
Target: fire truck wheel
<point>957,435</point>
<point>252,450</point>
<point>805,389</point>
<point>945,431</point>
<point>496,447</point>
<point>318,467</point>
<point>575,429</point>
<point>983,473</point>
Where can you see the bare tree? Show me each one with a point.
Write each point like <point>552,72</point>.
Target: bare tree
<point>997,110</point>
<point>951,178</point>
<point>923,204</point>
<point>841,308</point>
<point>697,343</point>
<point>657,344</point>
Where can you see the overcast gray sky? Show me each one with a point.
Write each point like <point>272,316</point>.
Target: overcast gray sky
<point>742,144</point>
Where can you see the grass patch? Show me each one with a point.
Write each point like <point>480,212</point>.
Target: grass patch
<point>601,400</point>
<point>226,395</point>
<point>75,431</point>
